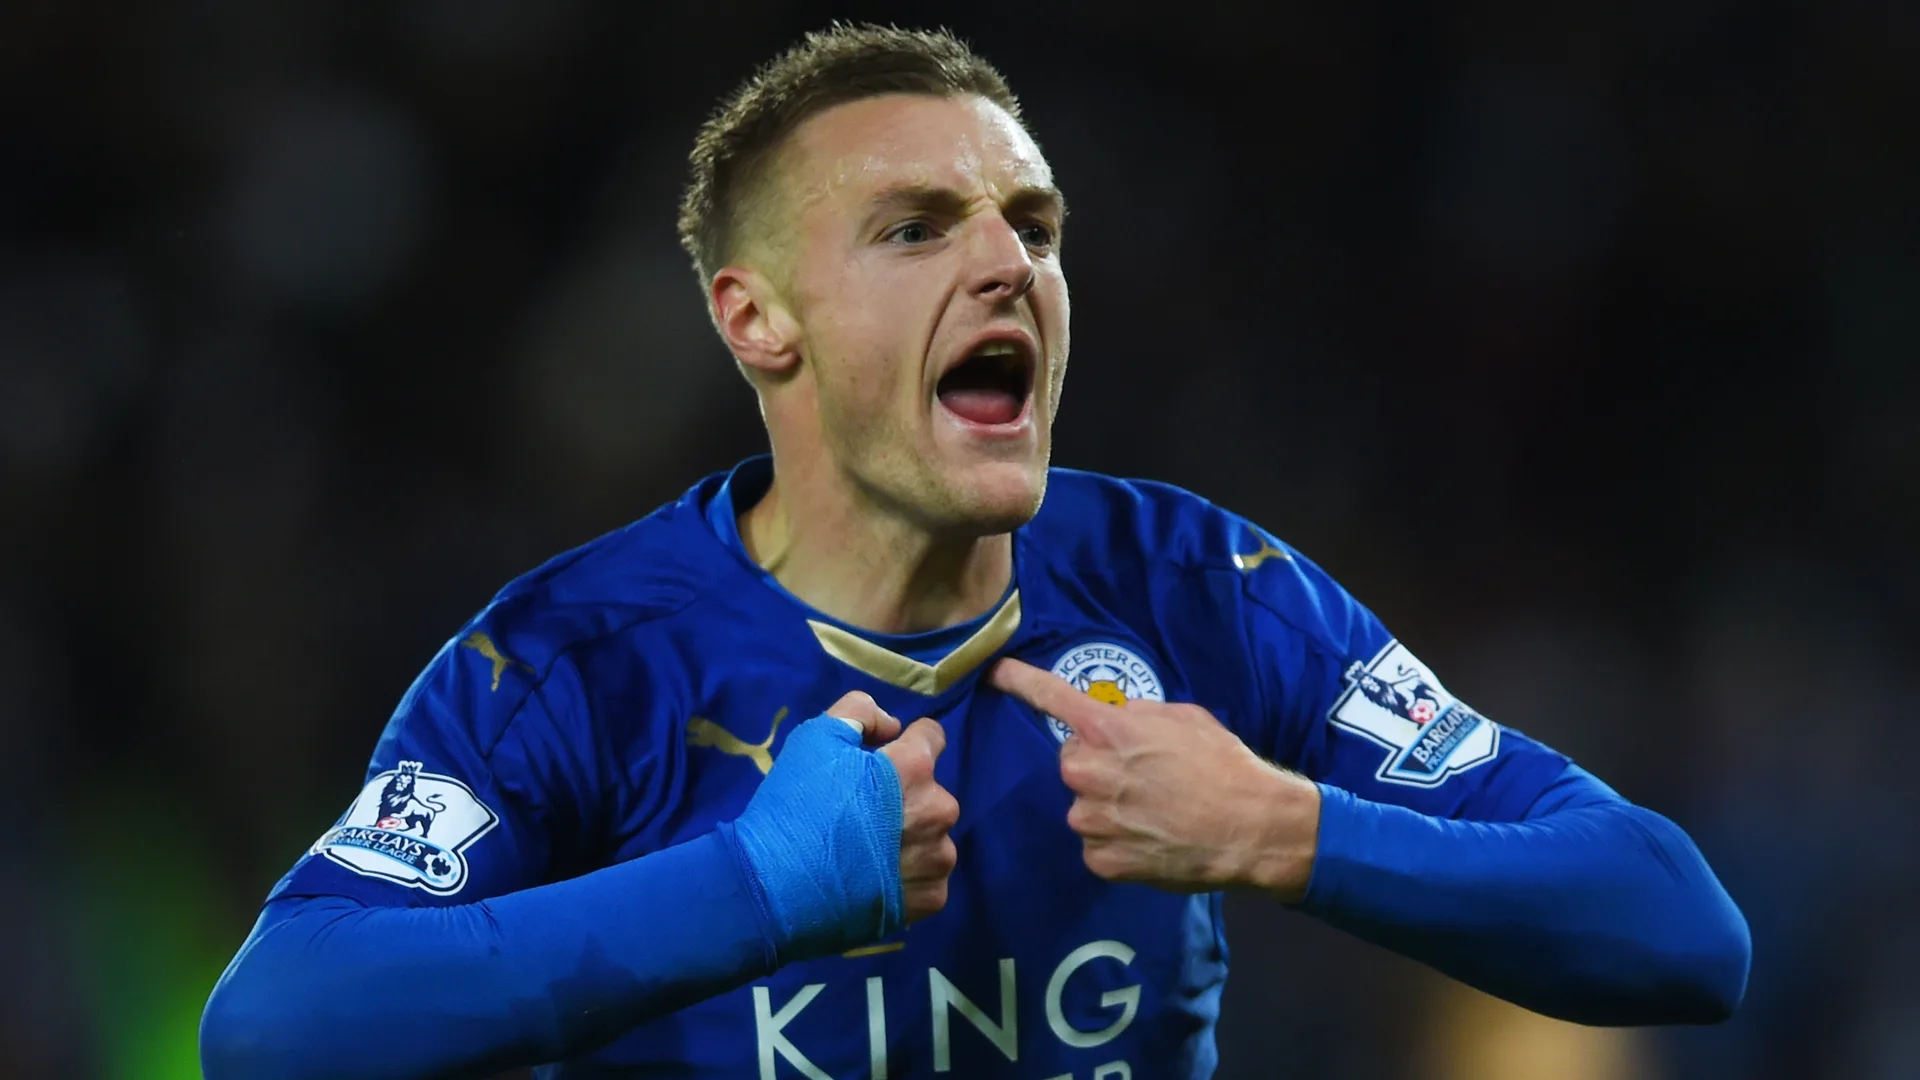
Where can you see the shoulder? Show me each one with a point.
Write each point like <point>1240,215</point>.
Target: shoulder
<point>646,570</point>
<point>543,630</point>
<point>1093,519</point>
<point>1140,530</point>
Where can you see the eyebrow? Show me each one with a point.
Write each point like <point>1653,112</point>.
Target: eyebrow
<point>946,202</point>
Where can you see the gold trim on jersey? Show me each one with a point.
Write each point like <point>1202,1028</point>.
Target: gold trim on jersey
<point>909,674</point>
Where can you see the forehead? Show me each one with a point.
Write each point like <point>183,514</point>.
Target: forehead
<point>965,143</point>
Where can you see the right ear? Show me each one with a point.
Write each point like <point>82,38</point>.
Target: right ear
<point>754,321</point>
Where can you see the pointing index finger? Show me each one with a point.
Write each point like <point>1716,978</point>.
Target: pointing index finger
<point>1046,692</point>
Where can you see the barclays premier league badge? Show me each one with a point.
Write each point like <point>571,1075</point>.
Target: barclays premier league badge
<point>1395,701</point>
<point>411,828</point>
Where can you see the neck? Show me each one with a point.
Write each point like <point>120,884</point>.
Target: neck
<point>845,556</point>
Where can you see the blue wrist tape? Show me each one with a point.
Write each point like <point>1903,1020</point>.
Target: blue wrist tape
<point>821,841</point>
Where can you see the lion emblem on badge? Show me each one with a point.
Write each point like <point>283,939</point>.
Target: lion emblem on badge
<point>1410,698</point>
<point>402,808</point>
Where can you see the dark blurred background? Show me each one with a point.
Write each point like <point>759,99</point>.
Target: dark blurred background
<point>1585,348</point>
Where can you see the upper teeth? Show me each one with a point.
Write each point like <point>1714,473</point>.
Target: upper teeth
<point>997,348</point>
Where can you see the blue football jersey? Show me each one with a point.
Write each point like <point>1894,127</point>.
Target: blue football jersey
<point>630,694</point>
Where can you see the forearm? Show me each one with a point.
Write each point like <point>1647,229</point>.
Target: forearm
<point>1600,913</point>
<point>518,979</point>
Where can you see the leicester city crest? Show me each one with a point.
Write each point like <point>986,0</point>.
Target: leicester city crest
<point>1105,672</point>
<point>1395,701</point>
<point>410,827</point>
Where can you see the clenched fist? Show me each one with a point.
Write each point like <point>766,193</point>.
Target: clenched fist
<point>929,811</point>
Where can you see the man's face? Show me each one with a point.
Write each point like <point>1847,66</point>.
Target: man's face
<point>925,276</point>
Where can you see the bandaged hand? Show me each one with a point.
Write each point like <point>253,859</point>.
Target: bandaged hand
<point>847,845</point>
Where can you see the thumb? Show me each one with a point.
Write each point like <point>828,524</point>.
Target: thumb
<point>826,726</point>
<point>864,715</point>
<point>924,735</point>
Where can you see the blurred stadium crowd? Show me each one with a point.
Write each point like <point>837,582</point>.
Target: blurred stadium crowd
<point>1585,349</point>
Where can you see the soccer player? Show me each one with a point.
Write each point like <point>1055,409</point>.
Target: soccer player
<point>862,760</point>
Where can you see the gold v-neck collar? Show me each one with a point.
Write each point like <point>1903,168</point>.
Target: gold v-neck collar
<point>917,675</point>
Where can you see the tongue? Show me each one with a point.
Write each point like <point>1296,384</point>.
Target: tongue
<point>982,406</point>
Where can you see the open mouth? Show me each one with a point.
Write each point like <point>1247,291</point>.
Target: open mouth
<point>991,386</point>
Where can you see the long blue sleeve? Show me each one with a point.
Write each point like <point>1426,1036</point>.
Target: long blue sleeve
<point>1591,909</point>
<point>472,989</point>
<point>809,868</point>
<point>1463,843</point>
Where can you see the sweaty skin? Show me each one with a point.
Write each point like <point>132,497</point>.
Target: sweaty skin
<point>918,224</point>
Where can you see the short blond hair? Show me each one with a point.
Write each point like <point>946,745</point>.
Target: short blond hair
<point>847,62</point>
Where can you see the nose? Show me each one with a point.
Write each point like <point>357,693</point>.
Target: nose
<point>1001,267</point>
